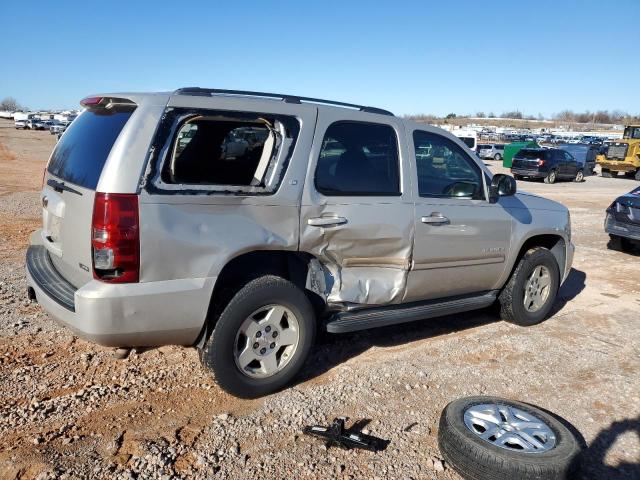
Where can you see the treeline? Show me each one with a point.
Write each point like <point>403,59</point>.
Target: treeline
<point>600,116</point>
<point>10,104</point>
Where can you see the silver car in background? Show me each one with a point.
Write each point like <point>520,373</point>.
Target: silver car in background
<point>494,151</point>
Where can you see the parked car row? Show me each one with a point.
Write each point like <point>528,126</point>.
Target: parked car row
<point>52,126</point>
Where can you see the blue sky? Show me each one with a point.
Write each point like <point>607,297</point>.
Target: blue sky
<point>409,57</point>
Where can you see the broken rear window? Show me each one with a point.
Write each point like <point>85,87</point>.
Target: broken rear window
<point>225,152</point>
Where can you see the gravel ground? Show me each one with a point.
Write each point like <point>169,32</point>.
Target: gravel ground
<point>70,409</point>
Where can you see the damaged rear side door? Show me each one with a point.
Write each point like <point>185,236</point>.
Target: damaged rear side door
<point>356,213</point>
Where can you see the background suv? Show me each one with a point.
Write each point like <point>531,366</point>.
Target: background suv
<point>494,151</point>
<point>341,217</point>
<point>550,164</point>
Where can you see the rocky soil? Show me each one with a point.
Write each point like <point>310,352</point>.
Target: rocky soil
<point>71,409</point>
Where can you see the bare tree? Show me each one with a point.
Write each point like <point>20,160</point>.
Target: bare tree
<point>10,104</point>
<point>512,114</point>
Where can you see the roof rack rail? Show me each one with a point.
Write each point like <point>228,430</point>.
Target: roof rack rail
<point>285,98</point>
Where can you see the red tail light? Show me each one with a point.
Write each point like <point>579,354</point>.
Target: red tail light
<point>89,101</point>
<point>115,238</point>
<point>540,162</point>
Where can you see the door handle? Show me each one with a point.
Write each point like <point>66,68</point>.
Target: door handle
<point>435,219</point>
<point>326,221</point>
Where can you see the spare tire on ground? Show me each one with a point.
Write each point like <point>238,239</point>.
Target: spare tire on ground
<point>491,438</point>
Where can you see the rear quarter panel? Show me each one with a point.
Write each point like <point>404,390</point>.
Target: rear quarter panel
<point>194,235</point>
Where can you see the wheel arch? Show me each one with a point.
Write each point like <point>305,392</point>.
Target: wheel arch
<point>247,266</point>
<point>554,242</point>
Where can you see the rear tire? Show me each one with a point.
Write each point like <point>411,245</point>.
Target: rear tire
<point>475,458</point>
<point>512,298</point>
<point>221,352</point>
<point>497,157</point>
<point>606,173</point>
<point>551,177</point>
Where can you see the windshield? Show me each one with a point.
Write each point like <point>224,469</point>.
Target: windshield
<point>632,132</point>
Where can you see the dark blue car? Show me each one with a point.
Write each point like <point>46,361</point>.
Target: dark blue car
<point>623,221</point>
<point>550,164</point>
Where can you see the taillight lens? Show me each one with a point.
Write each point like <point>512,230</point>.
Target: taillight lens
<point>90,101</point>
<point>115,238</point>
<point>540,162</point>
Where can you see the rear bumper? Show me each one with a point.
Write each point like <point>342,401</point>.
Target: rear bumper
<point>528,173</point>
<point>626,230</point>
<point>571,249</point>
<point>168,312</point>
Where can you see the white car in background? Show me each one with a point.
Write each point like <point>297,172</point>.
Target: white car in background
<point>21,124</point>
<point>57,127</point>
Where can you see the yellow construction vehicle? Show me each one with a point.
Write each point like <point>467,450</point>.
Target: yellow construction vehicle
<point>622,155</point>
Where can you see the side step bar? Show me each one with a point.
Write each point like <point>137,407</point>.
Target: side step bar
<point>353,321</point>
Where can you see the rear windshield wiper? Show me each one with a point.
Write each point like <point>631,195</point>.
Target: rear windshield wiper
<point>61,187</point>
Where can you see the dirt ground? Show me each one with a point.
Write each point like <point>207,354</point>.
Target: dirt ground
<point>70,409</point>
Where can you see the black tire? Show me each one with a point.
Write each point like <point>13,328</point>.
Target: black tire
<point>637,175</point>
<point>518,177</point>
<point>619,243</point>
<point>497,157</point>
<point>605,173</point>
<point>579,176</point>
<point>217,355</point>
<point>551,177</point>
<point>511,297</point>
<point>477,459</point>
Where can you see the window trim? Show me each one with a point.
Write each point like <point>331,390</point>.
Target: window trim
<point>482,195</point>
<point>326,193</point>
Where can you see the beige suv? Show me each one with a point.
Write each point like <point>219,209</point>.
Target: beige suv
<point>157,230</point>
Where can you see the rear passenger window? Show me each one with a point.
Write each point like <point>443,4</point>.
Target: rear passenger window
<point>210,151</point>
<point>358,159</point>
<point>444,170</point>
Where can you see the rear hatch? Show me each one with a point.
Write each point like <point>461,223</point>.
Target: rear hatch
<point>70,185</point>
<point>528,159</point>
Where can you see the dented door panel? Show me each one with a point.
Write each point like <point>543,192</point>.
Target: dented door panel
<point>363,243</point>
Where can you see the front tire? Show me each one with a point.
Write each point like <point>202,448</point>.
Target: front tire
<point>261,339</point>
<point>551,177</point>
<point>531,291</point>
<point>497,157</point>
<point>490,438</point>
<point>579,176</point>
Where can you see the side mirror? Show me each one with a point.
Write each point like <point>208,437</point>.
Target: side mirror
<point>501,186</point>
